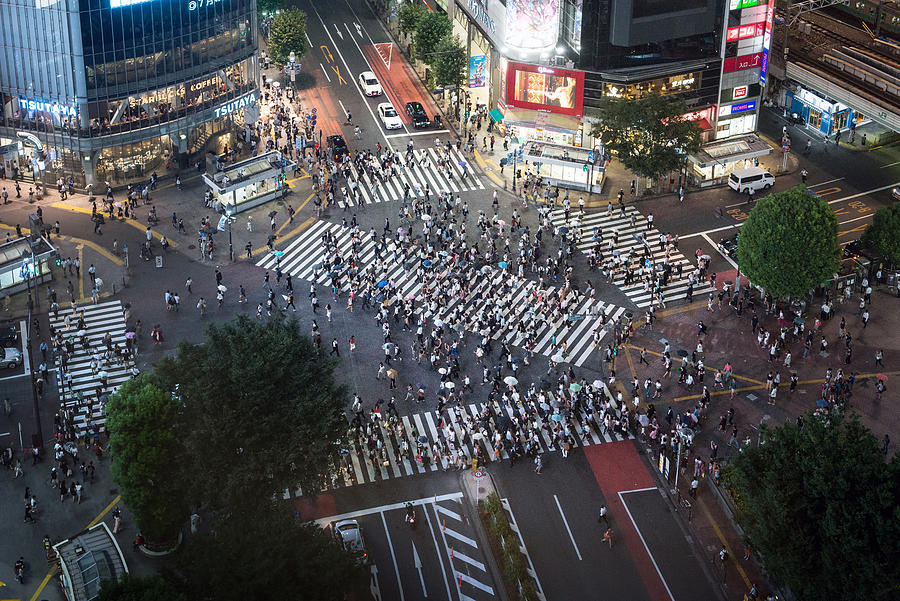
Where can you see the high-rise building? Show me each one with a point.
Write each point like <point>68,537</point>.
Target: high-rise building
<point>114,90</point>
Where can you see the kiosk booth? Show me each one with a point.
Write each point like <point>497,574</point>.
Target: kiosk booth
<point>249,183</point>
<point>24,263</point>
<point>565,166</point>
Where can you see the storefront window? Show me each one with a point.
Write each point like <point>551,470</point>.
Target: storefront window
<point>658,87</point>
<point>131,162</point>
<point>815,118</point>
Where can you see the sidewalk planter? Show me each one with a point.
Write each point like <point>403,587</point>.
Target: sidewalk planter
<point>161,549</point>
<point>507,548</point>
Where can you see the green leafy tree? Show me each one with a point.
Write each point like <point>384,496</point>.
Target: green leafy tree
<point>883,234</point>
<point>650,136</point>
<point>788,244</point>
<point>262,411</point>
<point>287,34</point>
<point>430,29</point>
<point>822,509</point>
<point>269,7</point>
<point>410,15</point>
<point>449,62</point>
<point>275,556</point>
<point>134,588</point>
<point>147,455</point>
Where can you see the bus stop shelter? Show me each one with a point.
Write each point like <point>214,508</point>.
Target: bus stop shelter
<point>249,183</point>
<point>566,166</point>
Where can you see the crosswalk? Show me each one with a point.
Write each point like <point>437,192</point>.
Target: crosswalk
<point>593,319</point>
<point>424,171</point>
<point>632,233</point>
<point>396,453</point>
<point>79,398</point>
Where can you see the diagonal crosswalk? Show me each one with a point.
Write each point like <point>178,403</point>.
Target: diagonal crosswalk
<point>79,396</point>
<point>633,238</point>
<point>428,170</point>
<point>405,446</point>
<point>579,337</point>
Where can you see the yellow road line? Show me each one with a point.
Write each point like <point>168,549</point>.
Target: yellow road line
<point>288,222</point>
<point>81,278</point>
<point>52,571</point>
<point>736,377</point>
<point>721,536</point>
<point>630,361</point>
<point>132,222</point>
<point>289,235</point>
<point>684,309</point>
<point>95,247</point>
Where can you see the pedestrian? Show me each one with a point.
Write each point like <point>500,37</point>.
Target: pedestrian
<point>188,285</point>
<point>603,516</point>
<point>334,347</point>
<point>695,484</point>
<point>608,537</point>
<point>352,343</point>
<point>879,356</point>
<point>117,519</point>
<point>538,464</point>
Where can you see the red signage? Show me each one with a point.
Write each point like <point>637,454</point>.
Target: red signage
<point>745,31</point>
<point>739,92</point>
<point>748,61</point>
<point>544,88</point>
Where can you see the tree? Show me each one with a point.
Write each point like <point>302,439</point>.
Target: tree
<point>883,234</point>
<point>788,244</point>
<point>410,15</point>
<point>650,136</point>
<point>275,557</point>
<point>821,507</point>
<point>287,34</point>
<point>429,30</point>
<point>262,411</point>
<point>449,62</point>
<point>142,419</point>
<point>134,588</point>
<point>269,7</point>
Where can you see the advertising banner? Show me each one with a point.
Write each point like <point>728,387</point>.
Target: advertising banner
<point>478,71</point>
<point>542,88</point>
<point>532,24</point>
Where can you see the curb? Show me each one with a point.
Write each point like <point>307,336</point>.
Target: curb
<point>515,528</point>
<point>481,534</point>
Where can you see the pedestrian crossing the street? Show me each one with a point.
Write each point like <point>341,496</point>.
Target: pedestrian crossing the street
<point>78,381</point>
<point>406,448</point>
<point>576,338</point>
<point>633,237</point>
<point>421,173</point>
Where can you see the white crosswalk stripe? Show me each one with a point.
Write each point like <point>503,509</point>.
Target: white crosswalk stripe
<point>632,233</point>
<point>81,398</point>
<point>592,319</point>
<point>399,444</point>
<point>424,171</point>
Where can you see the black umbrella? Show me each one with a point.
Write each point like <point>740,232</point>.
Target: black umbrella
<point>272,214</point>
<point>682,353</point>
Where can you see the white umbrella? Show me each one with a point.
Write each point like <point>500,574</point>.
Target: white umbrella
<point>222,288</point>
<point>442,371</point>
<point>557,358</point>
<point>510,381</point>
<point>98,283</point>
<point>597,384</point>
<point>449,385</point>
<point>426,217</point>
<point>439,322</point>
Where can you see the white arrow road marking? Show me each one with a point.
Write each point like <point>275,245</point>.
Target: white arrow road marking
<point>417,561</point>
<point>337,29</point>
<point>374,587</point>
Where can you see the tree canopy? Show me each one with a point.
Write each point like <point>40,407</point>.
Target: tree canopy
<point>269,7</point>
<point>287,33</point>
<point>788,244</point>
<point>275,557</point>
<point>449,61</point>
<point>650,136</point>
<point>142,419</point>
<point>821,507</point>
<point>883,234</point>
<point>430,29</point>
<point>262,411</point>
<point>410,15</point>
<point>134,588</point>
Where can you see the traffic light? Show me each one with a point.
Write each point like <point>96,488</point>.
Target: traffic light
<point>58,261</point>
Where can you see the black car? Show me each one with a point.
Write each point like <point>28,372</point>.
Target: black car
<point>417,113</point>
<point>9,336</point>
<point>338,147</point>
<point>729,246</point>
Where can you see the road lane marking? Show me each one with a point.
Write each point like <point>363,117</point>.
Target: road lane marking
<point>724,542</point>
<point>393,556</point>
<point>327,53</point>
<point>338,31</point>
<point>719,250</point>
<point>566,523</point>
<point>466,559</point>
<point>461,537</point>
<point>23,329</point>
<point>343,108</point>
<point>641,536</point>
<point>890,165</point>
<point>402,505</point>
<point>476,583</point>
<point>830,181</point>
<point>450,512</point>
<point>444,538</point>
<point>337,71</point>
<point>420,133</point>
<point>325,71</point>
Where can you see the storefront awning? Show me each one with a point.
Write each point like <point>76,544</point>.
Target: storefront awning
<point>704,125</point>
<point>496,116</point>
<point>730,150</point>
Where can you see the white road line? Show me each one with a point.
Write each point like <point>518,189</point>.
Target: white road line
<point>393,556</point>
<point>476,583</point>
<point>383,508</point>
<point>857,219</point>
<point>831,181</point>
<point>644,542</point>
<point>440,559</point>
<point>308,41</point>
<point>566,523</point>
<point>325,72</point>
<point>466,559</point>
<point>888,187</point>
<point>23,333</point>
<point>889,165</point>
<point>450,513</point>
<point>343,108</point>
<point>712,231</point>
<point>719,250</point>
<point>420,133</point>
<point>349,72</point>
<point>461,537</point>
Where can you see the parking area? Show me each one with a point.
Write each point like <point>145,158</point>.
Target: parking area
<point>439,558</point>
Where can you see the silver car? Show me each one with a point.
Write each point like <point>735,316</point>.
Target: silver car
<point>349,534</point>
<point>12,358</point>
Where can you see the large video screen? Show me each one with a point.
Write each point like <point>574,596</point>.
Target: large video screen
<point>532,24</point>
<point>542,88</point>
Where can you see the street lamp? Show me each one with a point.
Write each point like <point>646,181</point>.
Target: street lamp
<point>228,220</point>
<point>28,264</point>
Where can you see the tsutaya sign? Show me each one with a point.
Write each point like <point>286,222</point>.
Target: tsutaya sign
<point>236,105</point>
<point>480,14</point>
<point>41,106</point>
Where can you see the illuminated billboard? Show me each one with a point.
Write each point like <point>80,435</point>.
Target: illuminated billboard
<point>532,24</point>
<point>543,88</point>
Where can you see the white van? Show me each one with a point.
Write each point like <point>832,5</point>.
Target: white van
<point>749,180</point>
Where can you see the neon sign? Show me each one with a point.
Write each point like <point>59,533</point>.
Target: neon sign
<point>235,105</point>
<point>42,106</point>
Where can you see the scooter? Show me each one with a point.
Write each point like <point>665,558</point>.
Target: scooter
<point>411,516</point>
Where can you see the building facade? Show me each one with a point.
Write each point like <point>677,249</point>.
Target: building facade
<point>114,90</point>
